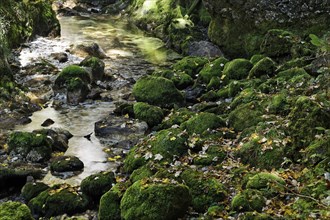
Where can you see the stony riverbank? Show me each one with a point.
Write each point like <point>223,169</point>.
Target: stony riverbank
<point>237,136</point>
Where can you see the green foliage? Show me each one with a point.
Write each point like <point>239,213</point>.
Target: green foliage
<point>14,210</point>
<point>202,122</point>
<point>322,44</point>
<point>248,200</point>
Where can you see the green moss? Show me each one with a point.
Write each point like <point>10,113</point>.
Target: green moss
<point>180,79</point>
<point>31,190</point>
<point>66,163</point>
<point>142,173</point>
<point>205,190</point>
<point>319,149</point>
<point>201,122</point>
<point>248,200</point>
<point>109,208</point>
<point>245,116</point>
<point>214,211</point>
<point>279,104</point>
<point>157,91</point>
<point>97,184</point>
<point>212,69</point>
<point>214,83</point>
<point>151,114</point>
<point>257,216</point>
<point>176,117</point>
<point>58,200</point>
<point>266,182</point>
<point>214,154</point>
<point>190,65</point>
<point>96,65</point>
<point>155,199</point>
<point>256,58</point>
<point>278,43</point>
<point>265,66</point>
<point>164,145</point>
<point>236,69</point>
<point>295,63</point>
<point>34,147</point>
<point>14,210</point>
<point>70,72</point>
<point>74,84</point>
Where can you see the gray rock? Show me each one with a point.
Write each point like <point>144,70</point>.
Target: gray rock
<point>204,49</point>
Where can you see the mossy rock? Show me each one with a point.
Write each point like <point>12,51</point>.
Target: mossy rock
<point>66,164</point>
<point>265,66</point>
<point>245,116</point>
<point>214,155</point>
<point>214,212</point>
<point>212,69</point>
<point>124,109</point>
<point>278,43</point>
<point>60,199</point>
<point>190,65</point>
<point>248,200</point>
<point>214,83</point>
<point>306,116</point>
<point>97,184</point>
<point>163,146</point>
<point>109,208</point>
<point>205,190</point>
<point>256,58</point>
<point>96,65</point>
<point>15,210</point>
<point>77,84</point>
<point>201,122</point>
<point>157,91</point>
<point>180,79</point>
<point>153,115</point>
<point>69,72</point>
<point>236,69</point>
<point>176,117</point>
<point>299,62</point>
<point>142,173</point>
<point>268,183</point>
<point>155,199</point>
<point>279,104</point>
<point>319,149</point>
<point>257,216</point>
<point>31,190</point>
<point>33,147</point>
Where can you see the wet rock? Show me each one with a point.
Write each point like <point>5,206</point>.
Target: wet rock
<point>47,122</point>
<point>97,184</point>
<point>60,57</point>
<point>193,93</point>
<point>88,49</point>
<point>77,91</point>
<point>153,115</point>
<point>15,210</point>
<point>97,3</point>
<point>57,200</point>
<point>13,179</point>
<point>59,138</point>
<point>120,131</point>
<point>66,164</point>
<point>30,146</point>
<point>203,49</point>
<point>138,201</point>
<point>96,67</point>
<point>71,72</point>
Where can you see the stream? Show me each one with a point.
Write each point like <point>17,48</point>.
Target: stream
<point>131,55</point>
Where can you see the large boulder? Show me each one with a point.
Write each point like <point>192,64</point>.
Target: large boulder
<point>155,199</point>
<point>15,210</point>
<point>238,26</point>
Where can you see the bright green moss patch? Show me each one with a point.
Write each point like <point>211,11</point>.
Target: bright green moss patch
<point>15,210</point>
<point>190,65</point>
<point>202,122</point>
<point>212,69</point>
<point>236,69</point>
<point>155,199</point>
<point>153,115</point>
<point>69,72</point>
<point>265,66</point>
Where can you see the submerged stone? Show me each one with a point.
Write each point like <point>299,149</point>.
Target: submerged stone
<point>66,164</point>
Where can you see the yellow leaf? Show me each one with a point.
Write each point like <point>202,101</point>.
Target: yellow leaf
<point>173,138</point>
<point>126,116</point>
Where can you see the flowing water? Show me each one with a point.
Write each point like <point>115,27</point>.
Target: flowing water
<point>130,56</point>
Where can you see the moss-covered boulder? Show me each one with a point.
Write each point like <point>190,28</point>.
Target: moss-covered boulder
<point>97,184</point>
<point>176,117</point>
<point>66,164</point>
<point>31,190</point>
<point>190,65</point>
<point>236,69</point>
<point>248,200</point>
<point>153,115</point>
<point>15,210</point>
<point>110,202</point>
<point>268,183</point>
<point>155,199</point>
<point>157,91</point>
<point>205,190</point>
<point>180,79</point>
<point>264,67</point>
<point>162,147</point>
<point>96,66</point>
<point>212,69</point>
<point>77,90</point>
<point>71,72</point>
<point>202,122</point>
<point>29,146</point>
<point>57,200</point>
